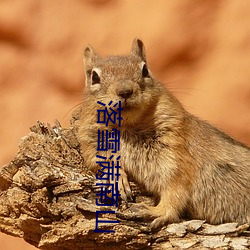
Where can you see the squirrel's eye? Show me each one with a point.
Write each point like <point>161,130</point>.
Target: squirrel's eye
<point>95,78</point>
<point>145,72</point>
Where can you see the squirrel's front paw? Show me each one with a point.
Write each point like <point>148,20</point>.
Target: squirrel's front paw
<point>160,216</point>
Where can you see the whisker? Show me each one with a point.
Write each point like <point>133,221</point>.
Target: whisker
<point>71,109</point>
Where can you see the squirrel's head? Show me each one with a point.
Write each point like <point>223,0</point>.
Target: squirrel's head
<point>120,78</point>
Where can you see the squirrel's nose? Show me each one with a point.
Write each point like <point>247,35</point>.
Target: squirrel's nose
<point>124,93</point>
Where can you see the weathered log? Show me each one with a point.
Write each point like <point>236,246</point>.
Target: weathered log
<point>47,197</point>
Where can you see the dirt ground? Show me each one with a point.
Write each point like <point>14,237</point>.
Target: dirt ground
<point>200,49</point>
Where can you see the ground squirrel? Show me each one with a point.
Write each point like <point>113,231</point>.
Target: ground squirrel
<point>190,166</point>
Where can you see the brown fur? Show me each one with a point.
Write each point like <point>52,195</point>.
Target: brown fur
<point>191,166</point>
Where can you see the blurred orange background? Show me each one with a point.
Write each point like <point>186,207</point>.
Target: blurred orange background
<point>200,49</point>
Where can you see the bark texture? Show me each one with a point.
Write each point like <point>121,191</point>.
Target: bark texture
<point>47,197</point>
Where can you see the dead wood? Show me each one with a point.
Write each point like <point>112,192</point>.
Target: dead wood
<point>47,197</point>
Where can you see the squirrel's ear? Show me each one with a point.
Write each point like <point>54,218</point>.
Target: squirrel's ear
<point>89,57</point>
<point>138,49</point>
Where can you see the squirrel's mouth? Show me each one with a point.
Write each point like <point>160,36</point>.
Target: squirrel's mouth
<point>128,104</point>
